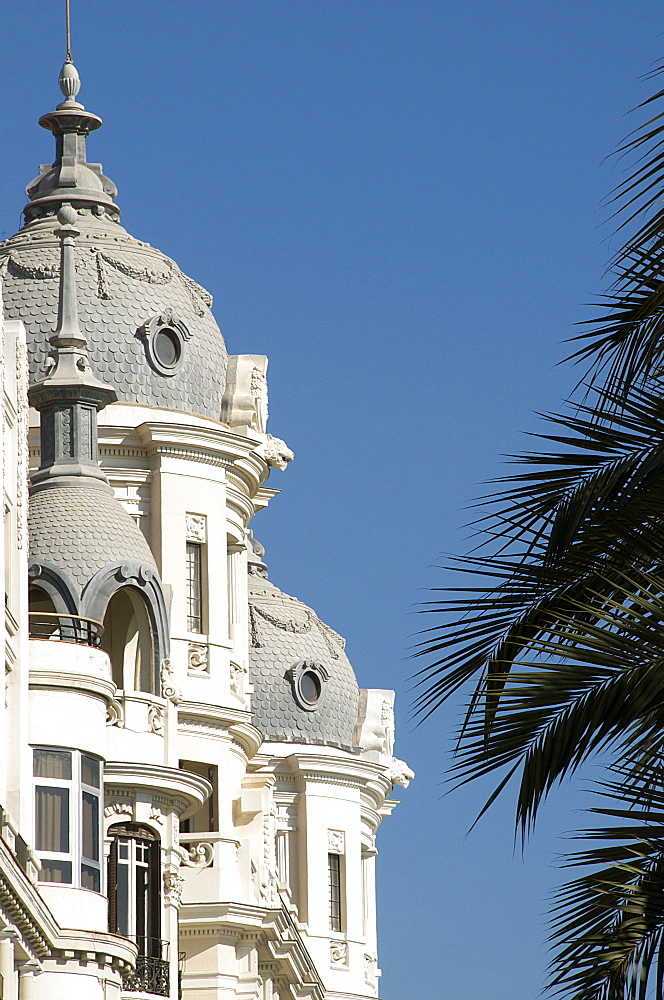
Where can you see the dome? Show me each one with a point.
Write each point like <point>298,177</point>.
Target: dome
<point>81,530</point>
<point>127,291</point>
<point>304,687</point>
<point>149,328</point>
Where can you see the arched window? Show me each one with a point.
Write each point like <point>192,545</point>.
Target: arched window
<point>128,641</point>
<point>134,881</point>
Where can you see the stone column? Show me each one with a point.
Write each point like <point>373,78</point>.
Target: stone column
<point>7,967</point>
<point>26,982</point>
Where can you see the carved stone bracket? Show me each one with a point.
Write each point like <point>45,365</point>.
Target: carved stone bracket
<point>169,688</point>
<point>156,815</point>
<point>237,679</point>
<point>156,719</point>
<point>338,953</point>
<point>198,661</point>
<point>201,855</point>
<point>118,809</point>
<point>115,714</point>
<point>173,886</point>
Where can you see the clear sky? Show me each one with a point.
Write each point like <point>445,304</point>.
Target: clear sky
<point>399,202</point>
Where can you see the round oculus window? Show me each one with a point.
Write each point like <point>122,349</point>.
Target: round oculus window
<point>310,687</point>
<point>167,347</point>
<point>165,337</point>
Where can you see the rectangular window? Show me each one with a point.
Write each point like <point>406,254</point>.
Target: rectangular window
<point>194,587</point>
<point>68,817</point>
<point>334,875</point>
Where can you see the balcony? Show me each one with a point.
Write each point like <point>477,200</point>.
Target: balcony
<point>151,975</point>
<point>65,628</point>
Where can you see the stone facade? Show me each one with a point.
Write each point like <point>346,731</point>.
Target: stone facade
<point>191,779</point>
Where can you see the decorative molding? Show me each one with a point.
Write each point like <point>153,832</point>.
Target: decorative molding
<point>370,969</point>
<point>237,679</point>
<point>21,439</point>
<point>196,528</point>
<point>200,855</point>
<point>115,714</point>
<point>169,688</point>
<point>336,842</point>
<point>198,659</point>
<point>277,453</point>
<point>156,719</point>
<point>173,886</point>
<point>338,954</point>
<point>156,815</point>
<point>244,405</point>
<point>399,773</point>
<point>114,809</point>
<point>269,890</point>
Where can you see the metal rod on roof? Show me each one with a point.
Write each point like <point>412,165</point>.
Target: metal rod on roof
<point>68,24</point>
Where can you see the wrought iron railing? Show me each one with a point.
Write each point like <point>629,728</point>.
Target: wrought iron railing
<point>65,628</point>
<point>151,974</point>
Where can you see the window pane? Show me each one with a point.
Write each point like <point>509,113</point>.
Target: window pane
<point>194,588</point>
<point>52,826</point>
<point>51,764</point>
<point>90,878</point>
<point>122,900</point>
<point>90,842</point>
<point>334,872</point>
<point>89,771</point>
<point>55,871</point>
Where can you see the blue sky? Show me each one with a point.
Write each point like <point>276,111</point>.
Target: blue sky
<point>399,202</point>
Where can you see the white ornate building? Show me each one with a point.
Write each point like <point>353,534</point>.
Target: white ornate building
<point>191,780</point>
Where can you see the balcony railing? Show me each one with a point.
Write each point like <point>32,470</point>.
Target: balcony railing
<point>151,974</point>
<point>64,628</point>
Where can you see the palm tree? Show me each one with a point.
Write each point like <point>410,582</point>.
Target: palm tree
<point>564,646</point>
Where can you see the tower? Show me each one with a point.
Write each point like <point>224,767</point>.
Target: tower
<point>194,778</point>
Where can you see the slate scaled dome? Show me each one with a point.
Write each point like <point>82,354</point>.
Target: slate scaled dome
<point>126,288</point>
<point>81,530</point>
<point>287,640</point>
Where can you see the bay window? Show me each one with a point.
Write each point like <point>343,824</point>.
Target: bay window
<point>67,836</point>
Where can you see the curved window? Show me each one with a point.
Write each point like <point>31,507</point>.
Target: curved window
<point>67,816</point>
<point>128,641</point>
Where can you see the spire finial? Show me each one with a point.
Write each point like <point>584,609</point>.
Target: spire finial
<point>69,395</point>
<point>68,27</point>
<point>68,332</point>
<point>70,81</point>
<point>70,178</point>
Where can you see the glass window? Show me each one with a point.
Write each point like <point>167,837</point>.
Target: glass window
<point>52,819</point>
<point>51,764</point>
<point>90,770</point>
<point>134,892</point>
<point>194,587</point>
<point>68,817</point>
<point>334,873</point>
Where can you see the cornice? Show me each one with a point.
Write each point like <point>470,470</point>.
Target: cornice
<point>21,901</point>
<point>186,790</point>
<point>101,687</point>
<point>217,718</point>
<point>105,948</point>
<point>370,779</point>
<point>273,929</point>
